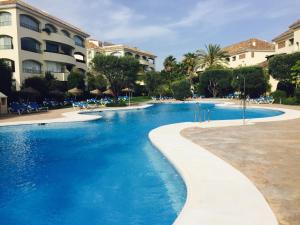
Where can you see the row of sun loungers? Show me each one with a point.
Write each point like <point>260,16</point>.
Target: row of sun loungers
<point>20,108</point>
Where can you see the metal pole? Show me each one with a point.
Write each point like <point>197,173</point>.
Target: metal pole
<point>244,103</point>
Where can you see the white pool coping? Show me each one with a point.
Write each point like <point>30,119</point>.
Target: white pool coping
<point>217,193</point>
<point>75,116</point>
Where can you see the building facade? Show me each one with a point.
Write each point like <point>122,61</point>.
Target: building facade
<point>146,59</point>
<point>248,53</point>
<point>34,42</point>
<point>289,41</point>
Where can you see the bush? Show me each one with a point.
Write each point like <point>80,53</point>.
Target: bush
<point>116,104</point>
<point>257,82</point>
<point>290,101</point>
<point>287,87</point>
<point>297,94</point>
<point>278,95</point>
<point>76,80</point>
<point>5,78</point>
<point>181,89</point>
<point>38,83</point>
<point>280,65</point>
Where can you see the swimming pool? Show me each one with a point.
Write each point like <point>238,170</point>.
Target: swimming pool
<point>99,172</point>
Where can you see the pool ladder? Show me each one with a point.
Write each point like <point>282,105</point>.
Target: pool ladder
<point>200,113</point>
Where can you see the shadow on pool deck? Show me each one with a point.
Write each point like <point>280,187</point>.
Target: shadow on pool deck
<point>268,154</point>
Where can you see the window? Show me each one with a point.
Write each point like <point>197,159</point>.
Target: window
<point>79,57</point>
<point>281,44</point>
<point>6,42</point>
<point>30,66</point>
<point>137,56</point>
<point>30,23</point>
<point>234,58</point>
<point>10,63</point>
<point>242,56</point>
<point>5,19</point>
<point>66,33</point>
<point>55,67</point>
<point>50,28</point>
<point>52,47</point>
<point>228,59</point>
<point>66,50</point>
<point>79,41</point>
<point>291,41</point>
<point>30,44</point>
<point>252,54</point>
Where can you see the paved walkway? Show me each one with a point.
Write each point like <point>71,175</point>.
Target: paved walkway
<point>267,153</point>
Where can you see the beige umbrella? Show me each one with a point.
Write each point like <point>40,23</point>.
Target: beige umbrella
<point>75,91</point>
<point>129,90</point>
<point>108,92</point>
<point>96,92</point>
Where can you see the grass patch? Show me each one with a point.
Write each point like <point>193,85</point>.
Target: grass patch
<point>139,99</point>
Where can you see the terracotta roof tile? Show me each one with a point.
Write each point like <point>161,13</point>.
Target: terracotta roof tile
<point>252,44</point>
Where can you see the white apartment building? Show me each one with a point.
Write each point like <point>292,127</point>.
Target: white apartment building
<point>248,53</point>
<point>289,41</point>
<point>146,59</point>
<point>34,42</point>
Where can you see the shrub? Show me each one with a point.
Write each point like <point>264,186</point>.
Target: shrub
<point>280,65</point>
<point>257,82</point>
<point>278,95</point>
<point>76,80</point>
<point>290,101</point>
<point>5,78</point>
<point>287,87</point>
<point>297,94</point>
<point>181,89</point>
<point>116,104</point>
<point>37,83</point>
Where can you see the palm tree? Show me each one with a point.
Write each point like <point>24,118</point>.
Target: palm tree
<point>170,63</point>
<point>213,55</point>
<point>190,62</point>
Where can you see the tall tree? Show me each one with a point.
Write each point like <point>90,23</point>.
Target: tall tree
<point>213,55</point>
<point>153,80</point>
<point>190,62</point>
<point>120,72</point>
<point>76,80</point>
<point>5,78</point>
<point>170,63</point>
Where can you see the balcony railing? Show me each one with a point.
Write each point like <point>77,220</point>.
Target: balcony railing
<point>2,47</point>
<point>5,23</point>
<point>79,60</point>
<point>32,50</point>
<point>62,53</point>
<point>32,71</point>
<point>30,27</point>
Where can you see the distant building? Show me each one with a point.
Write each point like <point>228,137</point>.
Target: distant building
<point>34,42</point>
<point>248,53</point>
<point>146,59</point>
<point>288,41</point>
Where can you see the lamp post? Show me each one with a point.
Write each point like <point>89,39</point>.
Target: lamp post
<point>244,99</point>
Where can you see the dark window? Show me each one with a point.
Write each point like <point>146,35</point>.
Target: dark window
<point>79,41</point>
<point>29,23</point>
<point>52,47</point>
<point>30,44</point>
<point>66,33</point>
<point>33,67</point>
<point>50,28</point>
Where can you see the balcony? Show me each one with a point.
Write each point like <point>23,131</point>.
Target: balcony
<point>58,38</point>
<point>27,26</point>
<point>32,71</point>
<point>58,57</point>
<point>5,23</point>
<point>5,47</point>
<point>61,76</point>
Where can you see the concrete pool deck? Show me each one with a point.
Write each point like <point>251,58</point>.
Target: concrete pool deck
<point>218,193</point>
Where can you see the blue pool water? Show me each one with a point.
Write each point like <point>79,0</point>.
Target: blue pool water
<point>104,172</point>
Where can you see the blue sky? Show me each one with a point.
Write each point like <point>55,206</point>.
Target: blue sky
<point>175,27</point>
